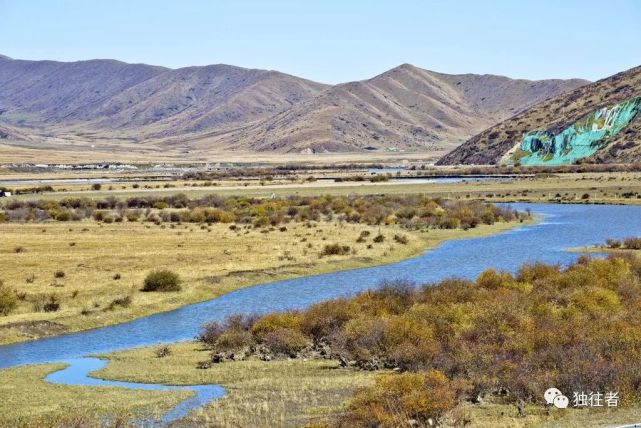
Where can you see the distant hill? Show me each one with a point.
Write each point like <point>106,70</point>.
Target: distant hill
<point>599,122</point>
<point>134,99</point>
<point>407,108</point>
<point>222,107</point>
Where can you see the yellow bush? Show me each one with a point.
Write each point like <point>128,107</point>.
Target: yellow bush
<point>272,322</point>
<point>395,399</point>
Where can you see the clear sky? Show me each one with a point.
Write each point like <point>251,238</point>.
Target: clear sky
<point>335,41</point>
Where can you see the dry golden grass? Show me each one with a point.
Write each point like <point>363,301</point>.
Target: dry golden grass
<point>493,415</point>
<point>79,151</point>
<point>259,394</point>
<point>283,393</point>
<point>567,188</point>
<point>211,260</point>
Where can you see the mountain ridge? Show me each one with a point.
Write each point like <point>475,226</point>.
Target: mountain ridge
<point>225,107</point>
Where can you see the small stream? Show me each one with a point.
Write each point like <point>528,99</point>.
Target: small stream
<point>78,373</point>
<point>563,226</point>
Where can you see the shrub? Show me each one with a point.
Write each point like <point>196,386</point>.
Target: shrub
<point>162,351</point>
<point>210,332</point>
<point>612,243</point>
<point>124,302</point>
<point>162,280</point>
<point>96,186</point>
<point>19,249</point>
<point>492,279</point>
<point>276,321</point>
<point>8,300</point>
<point>234,340</point>
<point>286,341</point>
<point>324,319</point>
<point>401,239</point>
<point>396,398</point>
<point>63,216</point>
<point>379,238</point>
<point>632,243</point>
<point>484,334</point>
<point>51,304</point>
<point>59,274</point>
<point>335,250</point>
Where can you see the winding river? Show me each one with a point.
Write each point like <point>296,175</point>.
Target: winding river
<point>563,226</point>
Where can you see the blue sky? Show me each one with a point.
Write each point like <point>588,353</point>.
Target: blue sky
<point>335,41</point>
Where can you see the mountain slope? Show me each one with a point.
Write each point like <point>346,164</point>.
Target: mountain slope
<point>47,91</point>
<point>11,133</point>
<point>102,96</point>
<point>406,107</point>
<point>222,107</point>
<point>599,122</point>
<point>201,98</point>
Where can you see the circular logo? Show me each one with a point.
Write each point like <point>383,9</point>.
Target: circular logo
<point>550,394</point>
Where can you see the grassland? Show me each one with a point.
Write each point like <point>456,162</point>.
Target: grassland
<point>69,151</point>
<point>259,394</point>
<point>103,265</point>
<point>613,188</point>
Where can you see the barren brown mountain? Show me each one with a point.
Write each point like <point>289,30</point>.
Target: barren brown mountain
<point>405,108</point>
<point>216,108</point>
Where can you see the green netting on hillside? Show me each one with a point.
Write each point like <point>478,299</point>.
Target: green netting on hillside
<point>582,139</point>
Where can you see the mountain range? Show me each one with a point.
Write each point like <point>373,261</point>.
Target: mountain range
<point>223,107</point>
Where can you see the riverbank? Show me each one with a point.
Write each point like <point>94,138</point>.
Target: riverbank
<point>292,392</point>
<point>602,249</point>
<point>95,271</point>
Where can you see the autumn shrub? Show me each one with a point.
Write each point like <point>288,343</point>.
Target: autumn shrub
<point>323,319</point>
<point>401,239</point>
<point>51,303</point>
<point>335,250</point>
<point>397,399</point>
<point>379,238</point>
<point>276,321</point>
<point>493,280</point>
<point>575,327</point>
<point>162,351</point>
<point>123,302</point>
<point>162,280</point>
<point>613,243</point>
<point>286,341</point>
<point>632,243</point>
<point>210,332</point>
<point>410,211</point>
<point>8,299</point>
<point>233,340</point>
